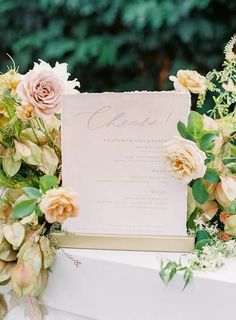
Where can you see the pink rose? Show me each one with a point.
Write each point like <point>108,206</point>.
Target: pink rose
<point>43,88</point>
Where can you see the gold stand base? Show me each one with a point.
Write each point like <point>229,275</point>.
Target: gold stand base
<point>126,242</point>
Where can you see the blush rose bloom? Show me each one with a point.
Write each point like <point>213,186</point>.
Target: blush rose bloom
<point>185,161</point>
<point>59,204</point>
<point>226,190</point>
<point>43,88</point>
<point>188,80</point>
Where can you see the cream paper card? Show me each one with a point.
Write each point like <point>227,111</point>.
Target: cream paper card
<point>113,157</point>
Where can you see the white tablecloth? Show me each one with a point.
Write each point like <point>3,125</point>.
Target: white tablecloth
<point>126,286</point>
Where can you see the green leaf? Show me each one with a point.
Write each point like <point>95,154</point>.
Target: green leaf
<point>207,141</point>
<point>32,193</point>
<point>195,124</point>
<point>200,244</point>
<point>202,235</point>
<point>47,182</point>
<point>183,131</point>
<point>212,175</point>
<point>199,191</point>
<point>190,221</point>
<point>188,275</point>
<point>24,209</point>
<point>172,273</point>
<point>210,157</point>
<point>38,212</point>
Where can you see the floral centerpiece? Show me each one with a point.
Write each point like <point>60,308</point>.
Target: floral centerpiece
<point>33,203</point>
<point>32,199</point>
<point>203,156</point>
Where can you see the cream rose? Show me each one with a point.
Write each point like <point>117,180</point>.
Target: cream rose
<point>43,88</point>
<point>59,204</point>
<point>188,80</point>
<point>185,161</point>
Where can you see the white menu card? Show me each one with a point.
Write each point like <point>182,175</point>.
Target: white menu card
<point>112,147</point>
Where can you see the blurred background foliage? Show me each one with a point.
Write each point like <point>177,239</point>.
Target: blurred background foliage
<point>117,44</point>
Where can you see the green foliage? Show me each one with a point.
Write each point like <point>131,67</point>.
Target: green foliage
<point>47,182</point>
<point>202,239</point>
<point>32,193</point>
<point>200,193</point>
<point>170,268</point>
<point>24,209</point>
<point>118,45</point>
<point>212,175</point>
<point>208,141</point>
<point>195,124</point>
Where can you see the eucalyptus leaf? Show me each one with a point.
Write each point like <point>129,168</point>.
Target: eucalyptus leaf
<point>32,193</point>
<point>24,209</point>
<point>10,166</point>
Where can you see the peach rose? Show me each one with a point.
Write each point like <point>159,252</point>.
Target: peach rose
<point>188,80</point>
<point>59,204</point>
<point>43,88</point>
<point>185,161</point>
<point>209,208</point>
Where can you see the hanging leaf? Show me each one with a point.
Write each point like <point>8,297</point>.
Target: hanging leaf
<point>49,161</point>
<point>15,234</point>
<point>33,309</point>
<point>10,166</point>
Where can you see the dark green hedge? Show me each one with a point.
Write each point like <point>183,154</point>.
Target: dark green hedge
<point>117,44</point>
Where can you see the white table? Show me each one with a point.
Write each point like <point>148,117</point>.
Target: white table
<point>110,285</point>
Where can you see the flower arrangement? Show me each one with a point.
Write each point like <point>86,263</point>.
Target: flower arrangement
<point>203,156</point>
<point>31,199</point>
<point>33,202</point>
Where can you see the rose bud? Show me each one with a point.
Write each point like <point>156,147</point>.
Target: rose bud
<point>226,190</point>
<point>229,187</point>
<point>23,278</point>
<point>209,208</point>
<point>221,197</point>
